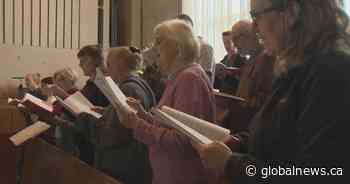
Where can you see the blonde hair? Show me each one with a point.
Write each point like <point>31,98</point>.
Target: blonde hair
<point>33,80</point>
<point>130,56</point>
<point>182,34</point>
<point>67,75</point>
<point>35,76</point>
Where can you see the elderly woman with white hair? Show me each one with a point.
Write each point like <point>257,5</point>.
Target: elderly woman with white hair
<point>188,89</point>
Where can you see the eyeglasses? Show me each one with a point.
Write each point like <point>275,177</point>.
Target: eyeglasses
<point>256,14</point>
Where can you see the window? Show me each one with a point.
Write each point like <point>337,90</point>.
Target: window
<point>212,17</point>
<point>347,6</point>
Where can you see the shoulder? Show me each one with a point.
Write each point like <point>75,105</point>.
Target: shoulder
<point>192,76</point>
<point>129,86</point>
<point>324,74</point>
<point>334,65</point>
<point>133,87</point>
<point>191,72</point>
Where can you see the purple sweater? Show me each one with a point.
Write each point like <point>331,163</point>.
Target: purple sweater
<point>172,156</point>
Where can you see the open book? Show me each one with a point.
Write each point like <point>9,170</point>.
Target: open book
<point>29,132</point>
<point>77,103</point>
<point>228,96</point>
<point>196,129</point>
<point>111,90</point>
<point>33,103</point>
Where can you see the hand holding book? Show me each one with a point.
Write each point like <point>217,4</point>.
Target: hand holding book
<point>111,90</point>
<point>32,103</point>
<point>214,155</point>
<point>128,118</point>
<point>77,103</point>
<point>98,109</point>
<point>196,129</point>
<point>137,106</point>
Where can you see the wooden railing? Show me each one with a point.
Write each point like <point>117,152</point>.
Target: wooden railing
<point>36,161</point>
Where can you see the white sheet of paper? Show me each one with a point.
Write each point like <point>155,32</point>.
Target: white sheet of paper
<point>29,132</point>
<point>208,129</point>
<point>77,103</point>
<point>111,90</point>
<point>182,128</point>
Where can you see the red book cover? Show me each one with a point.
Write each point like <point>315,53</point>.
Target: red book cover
<point>36,105</point>
<point>232,70</point>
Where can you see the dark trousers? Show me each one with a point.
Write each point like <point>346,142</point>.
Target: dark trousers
<point>86,151</point>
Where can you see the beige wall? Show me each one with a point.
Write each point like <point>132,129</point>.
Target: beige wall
<point>137,19</point>
<point>16,59</point>
<point>15,62</point>
<point>156,11</point>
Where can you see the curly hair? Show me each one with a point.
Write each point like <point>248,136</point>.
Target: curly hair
<point>320,26</point>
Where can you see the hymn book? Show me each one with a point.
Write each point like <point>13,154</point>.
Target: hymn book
<point>111,90</point>
<point>33,103</point>
<point>231,97</point>
<point>77,103</point>
<point>29,132</point>
<point>198,130</point>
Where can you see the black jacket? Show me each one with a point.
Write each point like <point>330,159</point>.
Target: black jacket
<point>303,124</point>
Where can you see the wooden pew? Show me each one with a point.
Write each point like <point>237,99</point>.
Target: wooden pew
<point>11,122</point>
<point>7,160</point>
<point>40,162</point>
<point>44,163</point>
<point>11,119</point>
<point>232,111</point>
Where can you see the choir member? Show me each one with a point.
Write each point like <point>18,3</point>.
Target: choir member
<point>188,89</point>
<point>303,123</point>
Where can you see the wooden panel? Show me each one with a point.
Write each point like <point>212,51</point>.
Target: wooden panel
<point>11,119</point>
<point>88,22</point>
<point>27,29</point>
<point>36,23</point>
<point>6,120</point>
<point>44,23</point>
<point>44,163</point>
<point>7,160</point>
<point>235,115</point>
<point>106,23</point>
<point>18,121</point>
<point>52,23</point>
<point>75,24</point>
<point>60,25</point>
<point>2,22</point>
<point>124,22</point>
<point>18,22</point>
<point>68,24</point>
<point>9,22</point>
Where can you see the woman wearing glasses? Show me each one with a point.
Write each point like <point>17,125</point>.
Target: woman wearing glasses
<point>188,89</point>
<point>302,125</point>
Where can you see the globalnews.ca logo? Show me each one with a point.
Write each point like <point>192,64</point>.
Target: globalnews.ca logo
<point>266,172</point>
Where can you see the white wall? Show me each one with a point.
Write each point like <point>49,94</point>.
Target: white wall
<point>15,62</point>
<point>57,48</point>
